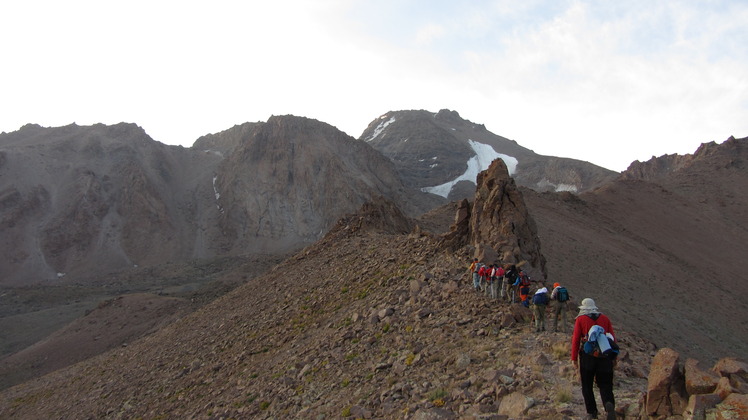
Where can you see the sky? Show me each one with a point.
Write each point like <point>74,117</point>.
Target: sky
<point>609,82</point>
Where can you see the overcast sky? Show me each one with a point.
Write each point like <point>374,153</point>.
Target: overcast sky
<point>609,82</point>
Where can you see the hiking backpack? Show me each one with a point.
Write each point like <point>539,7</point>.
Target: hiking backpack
<point>592,348</point>
<point>524,279</point>
<point>562,295</point>
<point>540,299</point>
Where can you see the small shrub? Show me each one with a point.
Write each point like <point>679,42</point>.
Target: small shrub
<point>409,359</point>
<point>346,412</point>
<point>264,405</point>
<point>437,394</point>
<point>561,350</point>
<point>563,396</point>
<point>438,402</point>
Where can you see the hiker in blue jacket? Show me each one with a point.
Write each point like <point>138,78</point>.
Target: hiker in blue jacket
<point>539,303</point>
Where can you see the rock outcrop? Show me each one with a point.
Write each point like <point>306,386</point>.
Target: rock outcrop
<point>497,224</point>
<point>675,389</point>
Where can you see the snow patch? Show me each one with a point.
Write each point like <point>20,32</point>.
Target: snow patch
<point>217,194</point>
<point>215,152</point>
<point>484,155</point>
<point>567,187</point>
<point>380,128</point>
<point>546,184</point>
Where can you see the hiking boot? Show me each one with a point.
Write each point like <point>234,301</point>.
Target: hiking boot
<point>610,411</point>
<point>590,416</point>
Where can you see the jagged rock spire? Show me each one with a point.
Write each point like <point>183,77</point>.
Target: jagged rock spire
<point>497,224</point>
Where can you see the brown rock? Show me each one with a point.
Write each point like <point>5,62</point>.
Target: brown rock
<point>665,388</point>
<point>734,406</point>
<point>434,414</point>
<point>724,388</point>
<point>699,381</point>
<point>497,224</point>
<point>731,366</point>
<point>499,219</point>
<point>698,404</point>
<point>515,405</point>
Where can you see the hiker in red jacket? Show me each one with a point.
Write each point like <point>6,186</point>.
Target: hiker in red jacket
<point>593,369</point>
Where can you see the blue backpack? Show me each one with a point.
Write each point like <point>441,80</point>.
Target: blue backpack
<point>540,299</point>
<point>562,295</point>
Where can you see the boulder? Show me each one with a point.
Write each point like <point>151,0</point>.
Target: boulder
<point>698,405</point>
<point>731,366</point>
<point>735,406</point>
<point>724,388</point>
<point>515,405</point>
<point>665,389</point>
<point>699,381</point>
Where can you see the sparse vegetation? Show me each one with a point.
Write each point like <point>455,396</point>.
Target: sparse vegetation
<point>437,394</point>
<point>563,396</point>
<point>560,351</point>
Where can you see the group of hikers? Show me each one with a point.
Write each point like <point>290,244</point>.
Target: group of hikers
<point>509,283</point>
<point>593,345</point>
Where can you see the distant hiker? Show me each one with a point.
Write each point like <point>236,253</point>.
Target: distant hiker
<point>498,276</point>
<point>482,276</point>
<point>593,369</point>
<point>510,277</point>
<point>539,302</point>
<point>474,267</point>
<point>523,285</point>
<point>559,296</point>
<point>489,280</point>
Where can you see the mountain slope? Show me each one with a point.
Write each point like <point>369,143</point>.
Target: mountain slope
<point>663,253</point>
<point>290,179</point>
<point>362,323</point>
<point>442,153</point>
<point>76,201</point>
<point>83,201</point>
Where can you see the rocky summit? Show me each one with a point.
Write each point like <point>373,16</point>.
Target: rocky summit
<point>442,153</point>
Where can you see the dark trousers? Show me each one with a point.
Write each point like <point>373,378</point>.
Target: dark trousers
<point>596,369</point>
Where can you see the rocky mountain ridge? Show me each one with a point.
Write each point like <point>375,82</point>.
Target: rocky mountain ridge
<point>402,335</point>
<point>77,201</point>
<point>441,152</point>
<point>649,247</point>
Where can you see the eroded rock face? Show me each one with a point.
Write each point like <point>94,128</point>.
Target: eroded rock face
<point>499,220</point>
<point>76,201</point>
